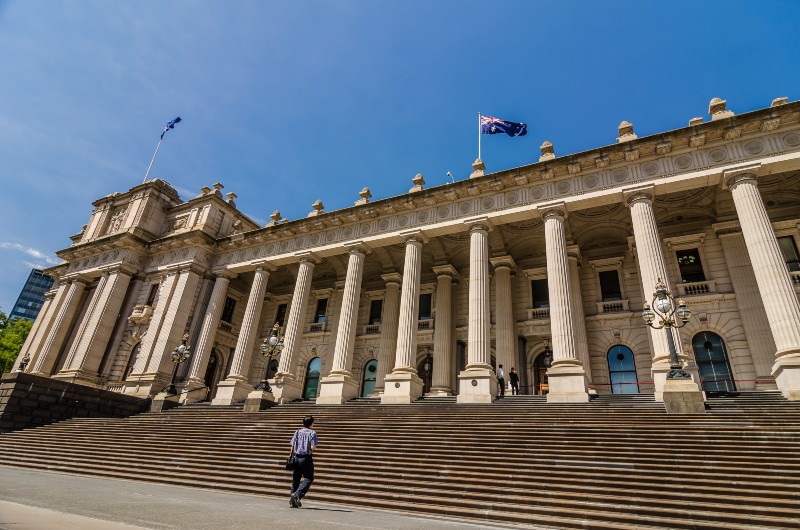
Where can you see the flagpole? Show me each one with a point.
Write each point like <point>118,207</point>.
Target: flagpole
<point>479,136</point>
<point>153,159</point>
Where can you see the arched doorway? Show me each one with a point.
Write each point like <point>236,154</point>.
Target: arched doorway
<point>712,362</point>
<point>312,379</point>
<point>425,372</point>
<point>540,384</point>
<point>212,377</point>
<point>368,381</point>
<point>622,370</point>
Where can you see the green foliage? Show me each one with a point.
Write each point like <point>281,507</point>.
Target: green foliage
<point>12,337</point>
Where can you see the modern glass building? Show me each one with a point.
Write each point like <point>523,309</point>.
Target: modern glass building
<point>31,298</point>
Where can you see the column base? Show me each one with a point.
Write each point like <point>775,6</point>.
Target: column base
<point>477,386</point>
<point>259,400</point>
<point>786,372</point>
<point>683,396</point>
<point>286,389</point>
<point>145,385</point>
<point>401,388</point>
<point>194,390</point>
<point>163,401</point>
<point>335,389</point>
<point>231,391</point>
<point>765,382</point>
<point>661,368</point>
<point>439,392</point>
<point>79,377</point>
<point>567,384</point>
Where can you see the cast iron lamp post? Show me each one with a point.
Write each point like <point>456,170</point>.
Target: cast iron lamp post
<point>272,345</point>
<point>547,360</point>
<point>666,309</point>
<point>179,354</point>
<point>428,365</point>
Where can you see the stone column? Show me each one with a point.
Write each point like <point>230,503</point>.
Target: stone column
<point>339,385</point>
<point>774,283</point>
<point>478,383</point>
<point>443,351</point>
<point>403,385</point>
<point>505,332</point>
<point>578,316</point>
<point>64,317</point>
<point>86,354</point>
<point>236,386</point>
<point>40,329</point>
<point>388,340</point>
<point>287,387</point>
<point>650,256</point>
<point>195,388</point>
<point>566,377</point>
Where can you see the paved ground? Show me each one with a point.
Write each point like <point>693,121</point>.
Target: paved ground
<point>40,500</point>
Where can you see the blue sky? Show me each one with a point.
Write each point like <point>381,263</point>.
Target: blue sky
<point>287,102</point>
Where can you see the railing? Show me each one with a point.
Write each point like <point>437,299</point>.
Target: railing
<point>317,327</point>
<point>693,288</point>
<point>795,276</point>
<point>116,386</point>
<point>616,306</point>
<point>372,329</point>
<point>538,314</point>
<point>425,324</point>
<point>227,327</point>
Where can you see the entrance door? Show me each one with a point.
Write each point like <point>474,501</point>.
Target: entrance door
<point>425,372</point>
<point>370,374</point>
<point>712,362</point>
<point>312,379</point>
<point>210,378</point>
<point>540,384</point>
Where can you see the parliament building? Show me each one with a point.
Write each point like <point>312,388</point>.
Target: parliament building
<point>545,268</point>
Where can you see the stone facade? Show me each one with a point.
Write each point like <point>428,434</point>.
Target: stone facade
<point>427,292</point>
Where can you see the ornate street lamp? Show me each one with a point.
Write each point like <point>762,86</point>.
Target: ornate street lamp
<point>179,354</point>
<point>272,345</point>
<point>428,365</point>
<point>666,309</point>
<point>547,360</point>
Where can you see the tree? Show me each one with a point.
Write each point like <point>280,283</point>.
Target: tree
<point>12,336</point>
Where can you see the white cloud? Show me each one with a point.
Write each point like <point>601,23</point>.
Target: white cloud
<point>32,252</point>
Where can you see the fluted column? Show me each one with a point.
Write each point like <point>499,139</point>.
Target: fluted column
<point>774,283</point>
<point>86,354</point>
<point>403,385</point>
<point>566,377</point>
<point>478,383</point>
<point>236,386</point>
<point>388,340</point>
<point>287,388</point>
<point>578,316</point>
<point>195,384</point>
<point>650,256</point>
<point>443,351</point>
<point>339,386</point>
<point>64,316</point>
<point>505,332</point>
<point>32,346</point>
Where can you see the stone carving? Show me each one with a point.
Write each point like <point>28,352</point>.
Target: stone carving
<point>548,152</point>
<point>512,198</point>
<point>779,101</point>
<point>419,182</point>
<point>625,132</point>
<point>632,155</point>
<point>590,181</point>
<point>276,218</point>
<point>478,169</point>
<point>650,169</point>
<point>717,109</point>
<point>695,121</point>
<point>318,208</point>
<point>365,195</point>
<point>116,219</point>
<point>792,139</point>
<point>619,175</point>
<point>487,203</point>
<point>663,148</point>
<point>562,187</point>
<point>698,140</point>
<point>683,161</point>
<point>717,155</point>
<point>443,212</point>
<point>754,147</point>
<point>537,193</point>
<point>573,168</point>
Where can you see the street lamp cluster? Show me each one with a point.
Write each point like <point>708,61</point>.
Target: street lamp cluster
<point>179,355</point>
<point>272,346</point>
<point>666,309</point>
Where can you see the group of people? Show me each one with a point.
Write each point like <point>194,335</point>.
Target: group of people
<point>513,379</point>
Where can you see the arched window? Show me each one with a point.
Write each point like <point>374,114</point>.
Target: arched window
<point>712,362</point>
<point>368,382</point>
<point>622,369</point>
<point>312,379</point>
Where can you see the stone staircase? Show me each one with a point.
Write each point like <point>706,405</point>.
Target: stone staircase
<point>615,462</point>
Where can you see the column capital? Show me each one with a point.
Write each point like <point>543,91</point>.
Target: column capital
<point>638,194</point>
<point>553,210</point>
<point>262,265</point>
<point>481,223</point>
<point>392,277</point>
<point>728,228</point>
<point>357,247</point>
<point>445,270</point>
<point>732,177</point>
<point>308,257</point>
<point>574,252</point>
<point>119,268</point>
<point>410,236</point>
<point>503,261</point>
<point>224,273</point>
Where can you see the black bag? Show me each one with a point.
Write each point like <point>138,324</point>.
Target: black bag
<point>291,462</point>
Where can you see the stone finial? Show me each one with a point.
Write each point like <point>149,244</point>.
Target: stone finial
<point>717,109</point>
<point>548,153</point>
<point>478,169</point>
<point>419,182</point>
<point>625,132</point>
<point>779,101</point>
<point>205,190</point>
<point>365,196</point>
<point>318,208</point>
<point>217,187</point>
<point>238,226</point>
<point>695,121</point>
<point>231,196</point>
<point>276,218</point>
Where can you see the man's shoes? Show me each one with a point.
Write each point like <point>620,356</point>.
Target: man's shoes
<point>295,501</point>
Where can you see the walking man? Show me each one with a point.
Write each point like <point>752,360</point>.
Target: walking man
<point>501,380</point>
<point>514,380</point>
<point>304,443</point>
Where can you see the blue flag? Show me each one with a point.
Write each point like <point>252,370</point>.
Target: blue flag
<point>492,125</point>
<point>170,125</point>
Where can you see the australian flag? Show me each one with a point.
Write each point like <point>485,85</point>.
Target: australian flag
<point>492,125</point>
<point>170,125</point>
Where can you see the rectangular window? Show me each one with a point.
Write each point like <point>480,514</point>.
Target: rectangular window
<point>609,286</point>
<point>790,254</point>
<point>227,311</point>
<point>151,296</point>
<point>319,314</point>
<point>280,315</point>
<point>690,266</point>
<point>425,306</point>
<point>375,311</point>
<point>541,296</point>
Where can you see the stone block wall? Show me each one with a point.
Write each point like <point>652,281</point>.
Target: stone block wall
<point>29,401</point>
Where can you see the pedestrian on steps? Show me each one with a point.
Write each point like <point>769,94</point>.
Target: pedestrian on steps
<point>501,380</point>
<point>513,378</point>
<point>304,443</point>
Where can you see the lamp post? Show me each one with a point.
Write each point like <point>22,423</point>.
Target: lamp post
<point>428,365</point>
<point>24,363</point>
<point>666,309</point>
<point>272,345</point>
<point>547,360</point>
<point>179,354</point>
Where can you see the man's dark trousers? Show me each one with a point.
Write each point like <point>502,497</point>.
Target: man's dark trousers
<point>502,382</point>
<point>305,468</point>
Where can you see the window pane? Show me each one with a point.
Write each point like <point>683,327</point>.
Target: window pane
<point>622,370</point>
<point>227,312</point>
<point>541,296</point>
<point>425,306</point>
<point>790,254</point>
<point>281,314</point>
<point>322,307</point>
<point>375,311</point>
<point>609,286</point>
<point>690,266</point>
